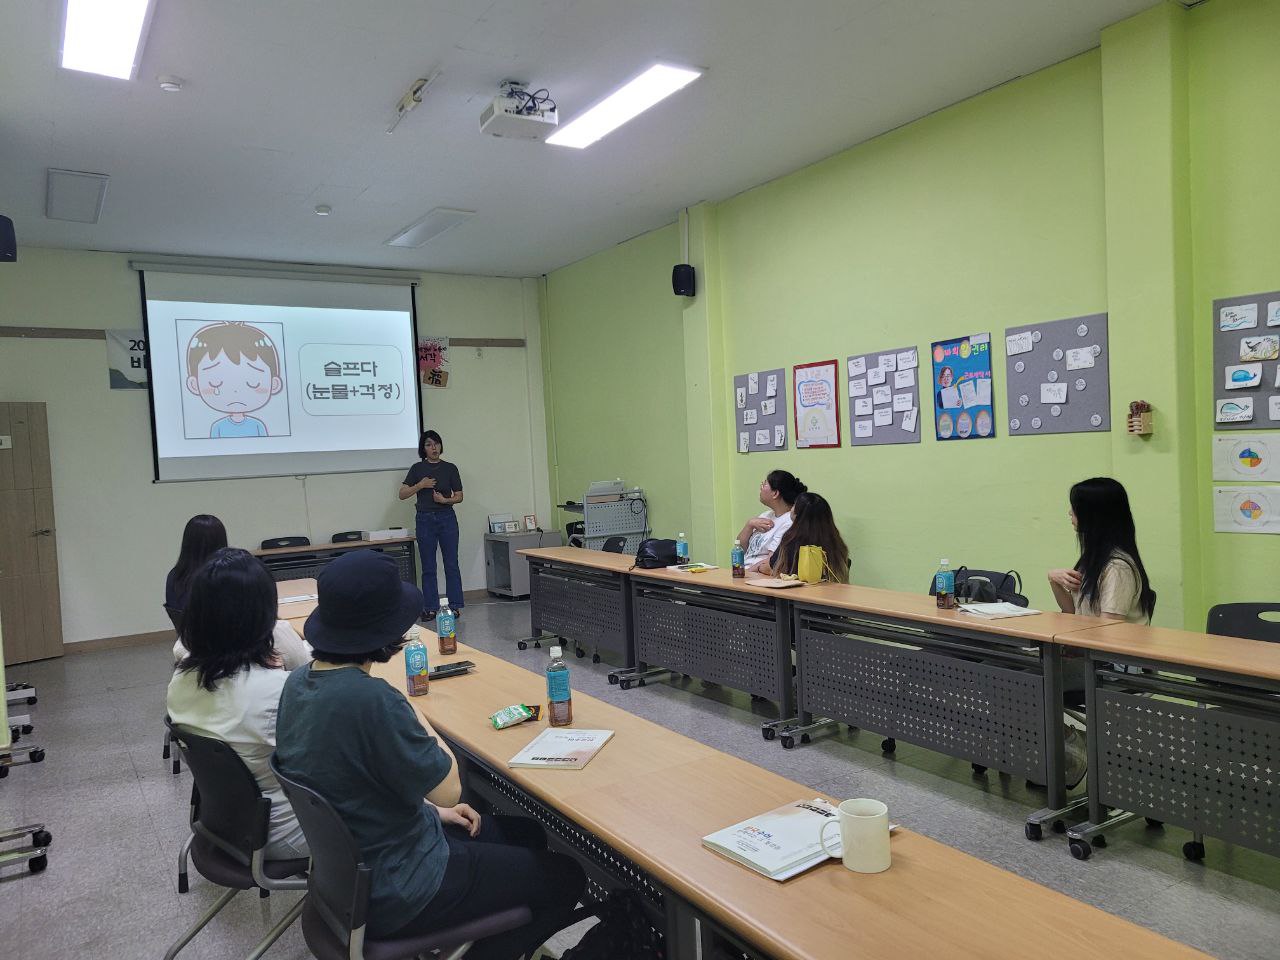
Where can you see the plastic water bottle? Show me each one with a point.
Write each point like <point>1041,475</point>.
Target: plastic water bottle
<point>417,677</point>
<point>944,585</point>
<point>559,696</point>
<point>447,628</point>
<point>682,549</point>
<point>738,559</point>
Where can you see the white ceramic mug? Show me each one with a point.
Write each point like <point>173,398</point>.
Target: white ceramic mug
<point>864,835</point>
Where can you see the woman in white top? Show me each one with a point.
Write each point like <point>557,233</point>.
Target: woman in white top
<point>761,535</point>
<point>228,686</point>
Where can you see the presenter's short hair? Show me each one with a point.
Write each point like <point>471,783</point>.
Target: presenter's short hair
<point>422,443</point>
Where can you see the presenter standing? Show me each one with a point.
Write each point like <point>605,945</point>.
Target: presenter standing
<point>438,487</point>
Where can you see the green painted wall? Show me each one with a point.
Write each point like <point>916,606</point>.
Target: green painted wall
<point>614,375</point>
<point>1235,203</point>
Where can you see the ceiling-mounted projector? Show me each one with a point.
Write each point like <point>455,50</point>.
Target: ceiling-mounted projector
<point>518,114</point>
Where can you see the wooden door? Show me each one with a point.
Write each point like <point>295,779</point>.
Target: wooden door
<point>30,608</point>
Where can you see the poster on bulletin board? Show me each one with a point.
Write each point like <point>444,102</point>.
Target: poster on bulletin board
<point>962,400</point>
<point>817,404</point>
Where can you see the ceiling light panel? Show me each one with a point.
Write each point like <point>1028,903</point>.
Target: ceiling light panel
<point>627,102</point>
<point>105,36</point>
<point>74,196</point>
<point>429,227</point>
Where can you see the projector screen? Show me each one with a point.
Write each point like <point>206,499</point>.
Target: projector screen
<point>258,377</point>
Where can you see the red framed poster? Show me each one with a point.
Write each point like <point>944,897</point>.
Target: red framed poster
<point>817,404</point>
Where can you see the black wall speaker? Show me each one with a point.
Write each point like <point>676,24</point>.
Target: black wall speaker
<point>682,280</point>
<point>8,242</point>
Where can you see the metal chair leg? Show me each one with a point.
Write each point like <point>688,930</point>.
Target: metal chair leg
<point>200,924</point>
<point>183,853</point>
<point>278,929</point>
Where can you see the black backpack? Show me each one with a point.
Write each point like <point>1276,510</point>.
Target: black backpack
<point>987,586</point>
<point>654,554</point>
<point>623,933</point>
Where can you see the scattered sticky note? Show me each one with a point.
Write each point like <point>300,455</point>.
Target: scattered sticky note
<point>882,394</point>
<point>907,359</point>
<point>1243,316</point>
<point>771,385</point>
<point>748,417</point>
<point>862,428</point>
<point>984,392</point>
<point>1235,410</point>
<point>779,435</point>
<point>903,401</point>
<point>883,417</point>
<point>875,375</point>
<point>889,362</point>
<point>1242,376</point>
<point>857,366</point>
<point>1080,358</point>
<point>1018,343</point>
<point>744,442</point>
<point>742,397</point>
<point>909,420</point>
<point>767,407</point>
<point>1259,348</point>
<point>903,379</point>
<point>1273,313</point>
<point>862,407</point>
<point>950,397</point>
<point>1053,393</point>
<point>969,394</point>
<point>1273,408</point>
<point>753,383</point>
<point>762,438</point>
<point>858,388</point>
<point>977,338</point>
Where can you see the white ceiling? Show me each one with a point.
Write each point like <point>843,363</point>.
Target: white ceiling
<point>286,103</point>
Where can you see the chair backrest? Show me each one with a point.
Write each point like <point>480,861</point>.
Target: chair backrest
<point>1245,620</point>
<point>614,544</point>
<point>347,536</point>
<point>175,617</point>
<point>277,542</point>
<point>233,814</point>
<point>338,881</point>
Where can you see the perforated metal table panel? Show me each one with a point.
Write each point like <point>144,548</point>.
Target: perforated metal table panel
<point>736,640</point>
<point>1211,765</point>
<point>590,607</point>
<point>974,696</point>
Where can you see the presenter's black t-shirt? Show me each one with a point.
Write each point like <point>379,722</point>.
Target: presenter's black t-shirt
<point>448,482</point>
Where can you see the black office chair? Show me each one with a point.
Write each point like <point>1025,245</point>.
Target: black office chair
<point>614,545</point>
<point>347,536</point>
<point>168,753</point>
<point>575,533</point>
<point>231,819</point>
<point>275,543</point>
<point>333,919</point>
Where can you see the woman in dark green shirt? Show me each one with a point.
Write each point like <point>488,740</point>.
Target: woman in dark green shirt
<point>438,486</point>
<point>358,743</point>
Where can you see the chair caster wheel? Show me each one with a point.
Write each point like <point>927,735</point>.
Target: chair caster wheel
<point>768,733</point>
<point>4,772</point>
<point>595,658</point>
<point>1099,841</point>
<point>27,728</point>
<point>978,769</point>
<point>624,684</point>
<point>1080,849</point>
<point>1059,826</point>
<point>263,894</point>
<point>1032,831</point>
<point>31,701</point>
<point>640,682</point>
<point>888,745</point>
<point>1193,850</point>
<point>1155,824</point>
<point>37,864</point>
<point>787,741</point>
<point>613,678</point>
<point>37,756</point>
<point>580,652</point>
<point>41,838</point>
<point>537,644</point>
<point>521,645</point>
<point>804,738</point>
<point>183,885</point>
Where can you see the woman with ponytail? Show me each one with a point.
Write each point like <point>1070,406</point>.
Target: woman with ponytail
<point>761,535</point>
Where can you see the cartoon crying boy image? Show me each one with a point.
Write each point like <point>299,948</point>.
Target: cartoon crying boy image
<point>235,369</point>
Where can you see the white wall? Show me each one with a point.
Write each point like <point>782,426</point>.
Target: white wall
<point>118,532</point>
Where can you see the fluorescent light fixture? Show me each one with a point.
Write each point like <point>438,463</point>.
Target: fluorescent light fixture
<point>105,36</point>
<point>651,87</point>
<point>432,225</point>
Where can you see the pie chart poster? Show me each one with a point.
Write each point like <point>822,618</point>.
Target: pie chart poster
<point>962,394</point>
<point>1245,510</point>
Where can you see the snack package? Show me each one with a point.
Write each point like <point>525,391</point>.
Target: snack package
<point>516,713</point>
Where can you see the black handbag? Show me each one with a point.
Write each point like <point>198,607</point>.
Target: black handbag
<point>624,931</point>
<point>987,586</point>
<point>654,554</point>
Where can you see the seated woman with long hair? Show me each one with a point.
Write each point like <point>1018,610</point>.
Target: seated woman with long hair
<point>202,537</point>
<point>228,685</point>
<point>811,525</point>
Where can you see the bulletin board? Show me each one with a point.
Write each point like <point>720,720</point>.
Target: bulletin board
<point>817,404</point>
<point>963,406</point>
<point>1057,376</point>
<point>760,410</point>
<point>884,397</point>
<point>1246,362</point>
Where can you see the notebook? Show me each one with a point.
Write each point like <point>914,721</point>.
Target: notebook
<point>564,748</point>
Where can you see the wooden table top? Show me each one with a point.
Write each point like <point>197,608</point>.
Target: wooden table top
<point>329,547</point>
<point>295,598</point>
<point>1250,658</point>
<point>577,556</point>
<point>652,794</point>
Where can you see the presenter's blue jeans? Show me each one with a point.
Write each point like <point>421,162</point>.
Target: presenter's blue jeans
<point>439,527</point>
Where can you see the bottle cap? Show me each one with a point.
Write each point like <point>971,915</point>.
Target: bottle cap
<point>556,653</point>
<point>945,563</point>
<point>444,602</point>
<point>681,534</point>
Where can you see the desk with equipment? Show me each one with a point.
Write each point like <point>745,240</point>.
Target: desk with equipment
<point>1195,743</point>
<point>636,814</point>
<point>307,560</point>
